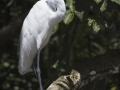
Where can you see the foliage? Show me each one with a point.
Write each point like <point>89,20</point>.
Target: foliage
<point>90,28</point>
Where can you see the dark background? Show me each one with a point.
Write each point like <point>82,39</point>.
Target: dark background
<point>69,45</point>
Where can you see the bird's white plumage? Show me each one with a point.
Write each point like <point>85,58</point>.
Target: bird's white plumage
<point>37,28</point>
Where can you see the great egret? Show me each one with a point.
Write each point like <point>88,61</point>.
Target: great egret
<point>36,31</point>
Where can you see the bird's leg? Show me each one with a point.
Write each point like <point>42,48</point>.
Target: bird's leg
<point>34,66</point>
<point>38,70</point>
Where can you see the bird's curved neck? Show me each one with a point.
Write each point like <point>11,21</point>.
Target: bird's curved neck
<point>58,11</point>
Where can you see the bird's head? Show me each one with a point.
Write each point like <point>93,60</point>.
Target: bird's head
<point>52,4</point>
<point>59,9</point>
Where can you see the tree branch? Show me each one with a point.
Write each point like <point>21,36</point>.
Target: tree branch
<point>89,70</point>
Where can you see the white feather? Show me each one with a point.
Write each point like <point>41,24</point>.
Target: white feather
<point>36,30</point>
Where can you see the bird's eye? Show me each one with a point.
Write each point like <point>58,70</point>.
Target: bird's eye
<point>53,6</point>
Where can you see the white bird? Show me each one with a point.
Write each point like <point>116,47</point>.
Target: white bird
<point>36,31</point>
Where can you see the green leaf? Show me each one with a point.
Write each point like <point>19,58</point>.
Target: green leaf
<point>6,64</point>
<point>79,14</point>
<point>114,88</point>
<point>56,64</point>
<point>69,2</point>
<point>104,5</point>
<point>72,8</point>
<point>96,27</point>
<point>70,5</point>
<point>116,1</point>
<point>55,28</point>
<point>106,24</point>
<point>90,21</point>
<point>97,1</point>
<point>69,13</point>
<point>68,17</point>
<point>62,70</point>
<point>94,24</point>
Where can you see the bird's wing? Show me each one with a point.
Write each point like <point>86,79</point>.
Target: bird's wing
<point>34,23</point>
